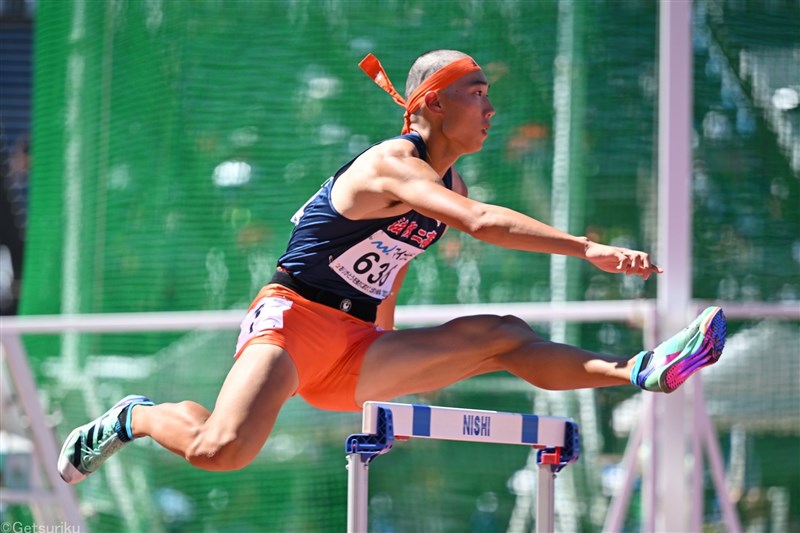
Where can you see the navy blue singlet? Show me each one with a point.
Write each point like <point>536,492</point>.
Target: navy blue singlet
<point>357,259</point>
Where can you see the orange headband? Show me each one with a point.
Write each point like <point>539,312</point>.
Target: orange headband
<point>437,81</point>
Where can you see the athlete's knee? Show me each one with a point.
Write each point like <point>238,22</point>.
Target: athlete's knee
<point>510,328</point>
<point>218,451</point>
<point>516,325</point>
<point>207,446</point>
<point>498,333</point>
<point>219,446</point>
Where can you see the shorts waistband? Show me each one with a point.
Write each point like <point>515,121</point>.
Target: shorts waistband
<point>366,311</point>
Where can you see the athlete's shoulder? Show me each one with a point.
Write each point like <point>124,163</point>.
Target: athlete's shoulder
<point>396,147</point>
<point>394,158</point>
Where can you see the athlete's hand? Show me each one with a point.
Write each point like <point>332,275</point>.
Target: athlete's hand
<point>621,260</point>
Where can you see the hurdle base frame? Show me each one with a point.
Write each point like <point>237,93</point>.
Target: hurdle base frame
<point>362,448</point>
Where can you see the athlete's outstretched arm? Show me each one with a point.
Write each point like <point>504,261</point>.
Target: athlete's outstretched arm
<point>413,183</point>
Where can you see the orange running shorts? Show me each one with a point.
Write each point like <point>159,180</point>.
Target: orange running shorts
<point>326,345</point>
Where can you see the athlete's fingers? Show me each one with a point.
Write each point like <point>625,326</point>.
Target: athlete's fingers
<point>651,269</point>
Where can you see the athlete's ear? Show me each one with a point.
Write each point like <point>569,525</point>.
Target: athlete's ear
<point>432,101</point>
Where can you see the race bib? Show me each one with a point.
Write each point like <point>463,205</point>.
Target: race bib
<point>371,265</point>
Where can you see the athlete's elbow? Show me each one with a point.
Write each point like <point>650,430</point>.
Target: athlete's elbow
<point>482,225</point>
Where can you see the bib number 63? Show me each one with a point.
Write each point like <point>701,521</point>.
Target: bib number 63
<point>379,273</point>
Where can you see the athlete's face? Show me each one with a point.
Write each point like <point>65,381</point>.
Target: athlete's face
<point>467,111</point>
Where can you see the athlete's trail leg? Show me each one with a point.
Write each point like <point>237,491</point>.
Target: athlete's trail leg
<point>257,386</point>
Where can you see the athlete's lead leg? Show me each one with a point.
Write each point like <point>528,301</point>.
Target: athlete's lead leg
<point>419,360</point>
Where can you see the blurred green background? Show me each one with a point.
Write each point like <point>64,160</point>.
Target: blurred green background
<point>172,141</point>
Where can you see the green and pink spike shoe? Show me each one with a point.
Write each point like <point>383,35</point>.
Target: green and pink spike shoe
<point>674,360</point>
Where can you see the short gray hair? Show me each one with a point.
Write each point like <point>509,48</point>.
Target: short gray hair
<point>428,63</point>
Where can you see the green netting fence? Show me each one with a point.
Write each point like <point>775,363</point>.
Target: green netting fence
<point>173,140</point>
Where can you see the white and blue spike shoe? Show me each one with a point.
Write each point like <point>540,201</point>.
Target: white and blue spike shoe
<point>88,446</point>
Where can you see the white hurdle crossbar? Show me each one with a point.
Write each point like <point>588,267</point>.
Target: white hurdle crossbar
<point>555,438</point>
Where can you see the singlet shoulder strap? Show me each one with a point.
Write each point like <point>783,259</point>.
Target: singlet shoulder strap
<point>416,138</point>
<point>419,144</point>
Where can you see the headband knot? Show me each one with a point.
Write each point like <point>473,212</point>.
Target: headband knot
<point>437,81</point>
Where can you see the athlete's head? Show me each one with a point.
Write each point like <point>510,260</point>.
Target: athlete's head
<point>428,63</point>
<point>450,84</point>
<point>459,106</point>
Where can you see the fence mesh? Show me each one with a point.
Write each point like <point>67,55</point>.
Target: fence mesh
<point>173,140</point>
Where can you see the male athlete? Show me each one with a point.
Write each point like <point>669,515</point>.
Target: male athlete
<point>323,326</point>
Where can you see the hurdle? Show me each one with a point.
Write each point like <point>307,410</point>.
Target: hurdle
<point>555,439</point>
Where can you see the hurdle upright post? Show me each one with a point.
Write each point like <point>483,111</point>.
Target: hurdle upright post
<point>545,499</point>
<point>361,450</point>
<point>357,493</point>
<point>555,438</point>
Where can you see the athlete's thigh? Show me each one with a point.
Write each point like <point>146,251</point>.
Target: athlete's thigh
<point>259,383</point>
<point>424,359</point>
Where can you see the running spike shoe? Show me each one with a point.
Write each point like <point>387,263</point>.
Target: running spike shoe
<point>88,446</point>
<point>674,360</point>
